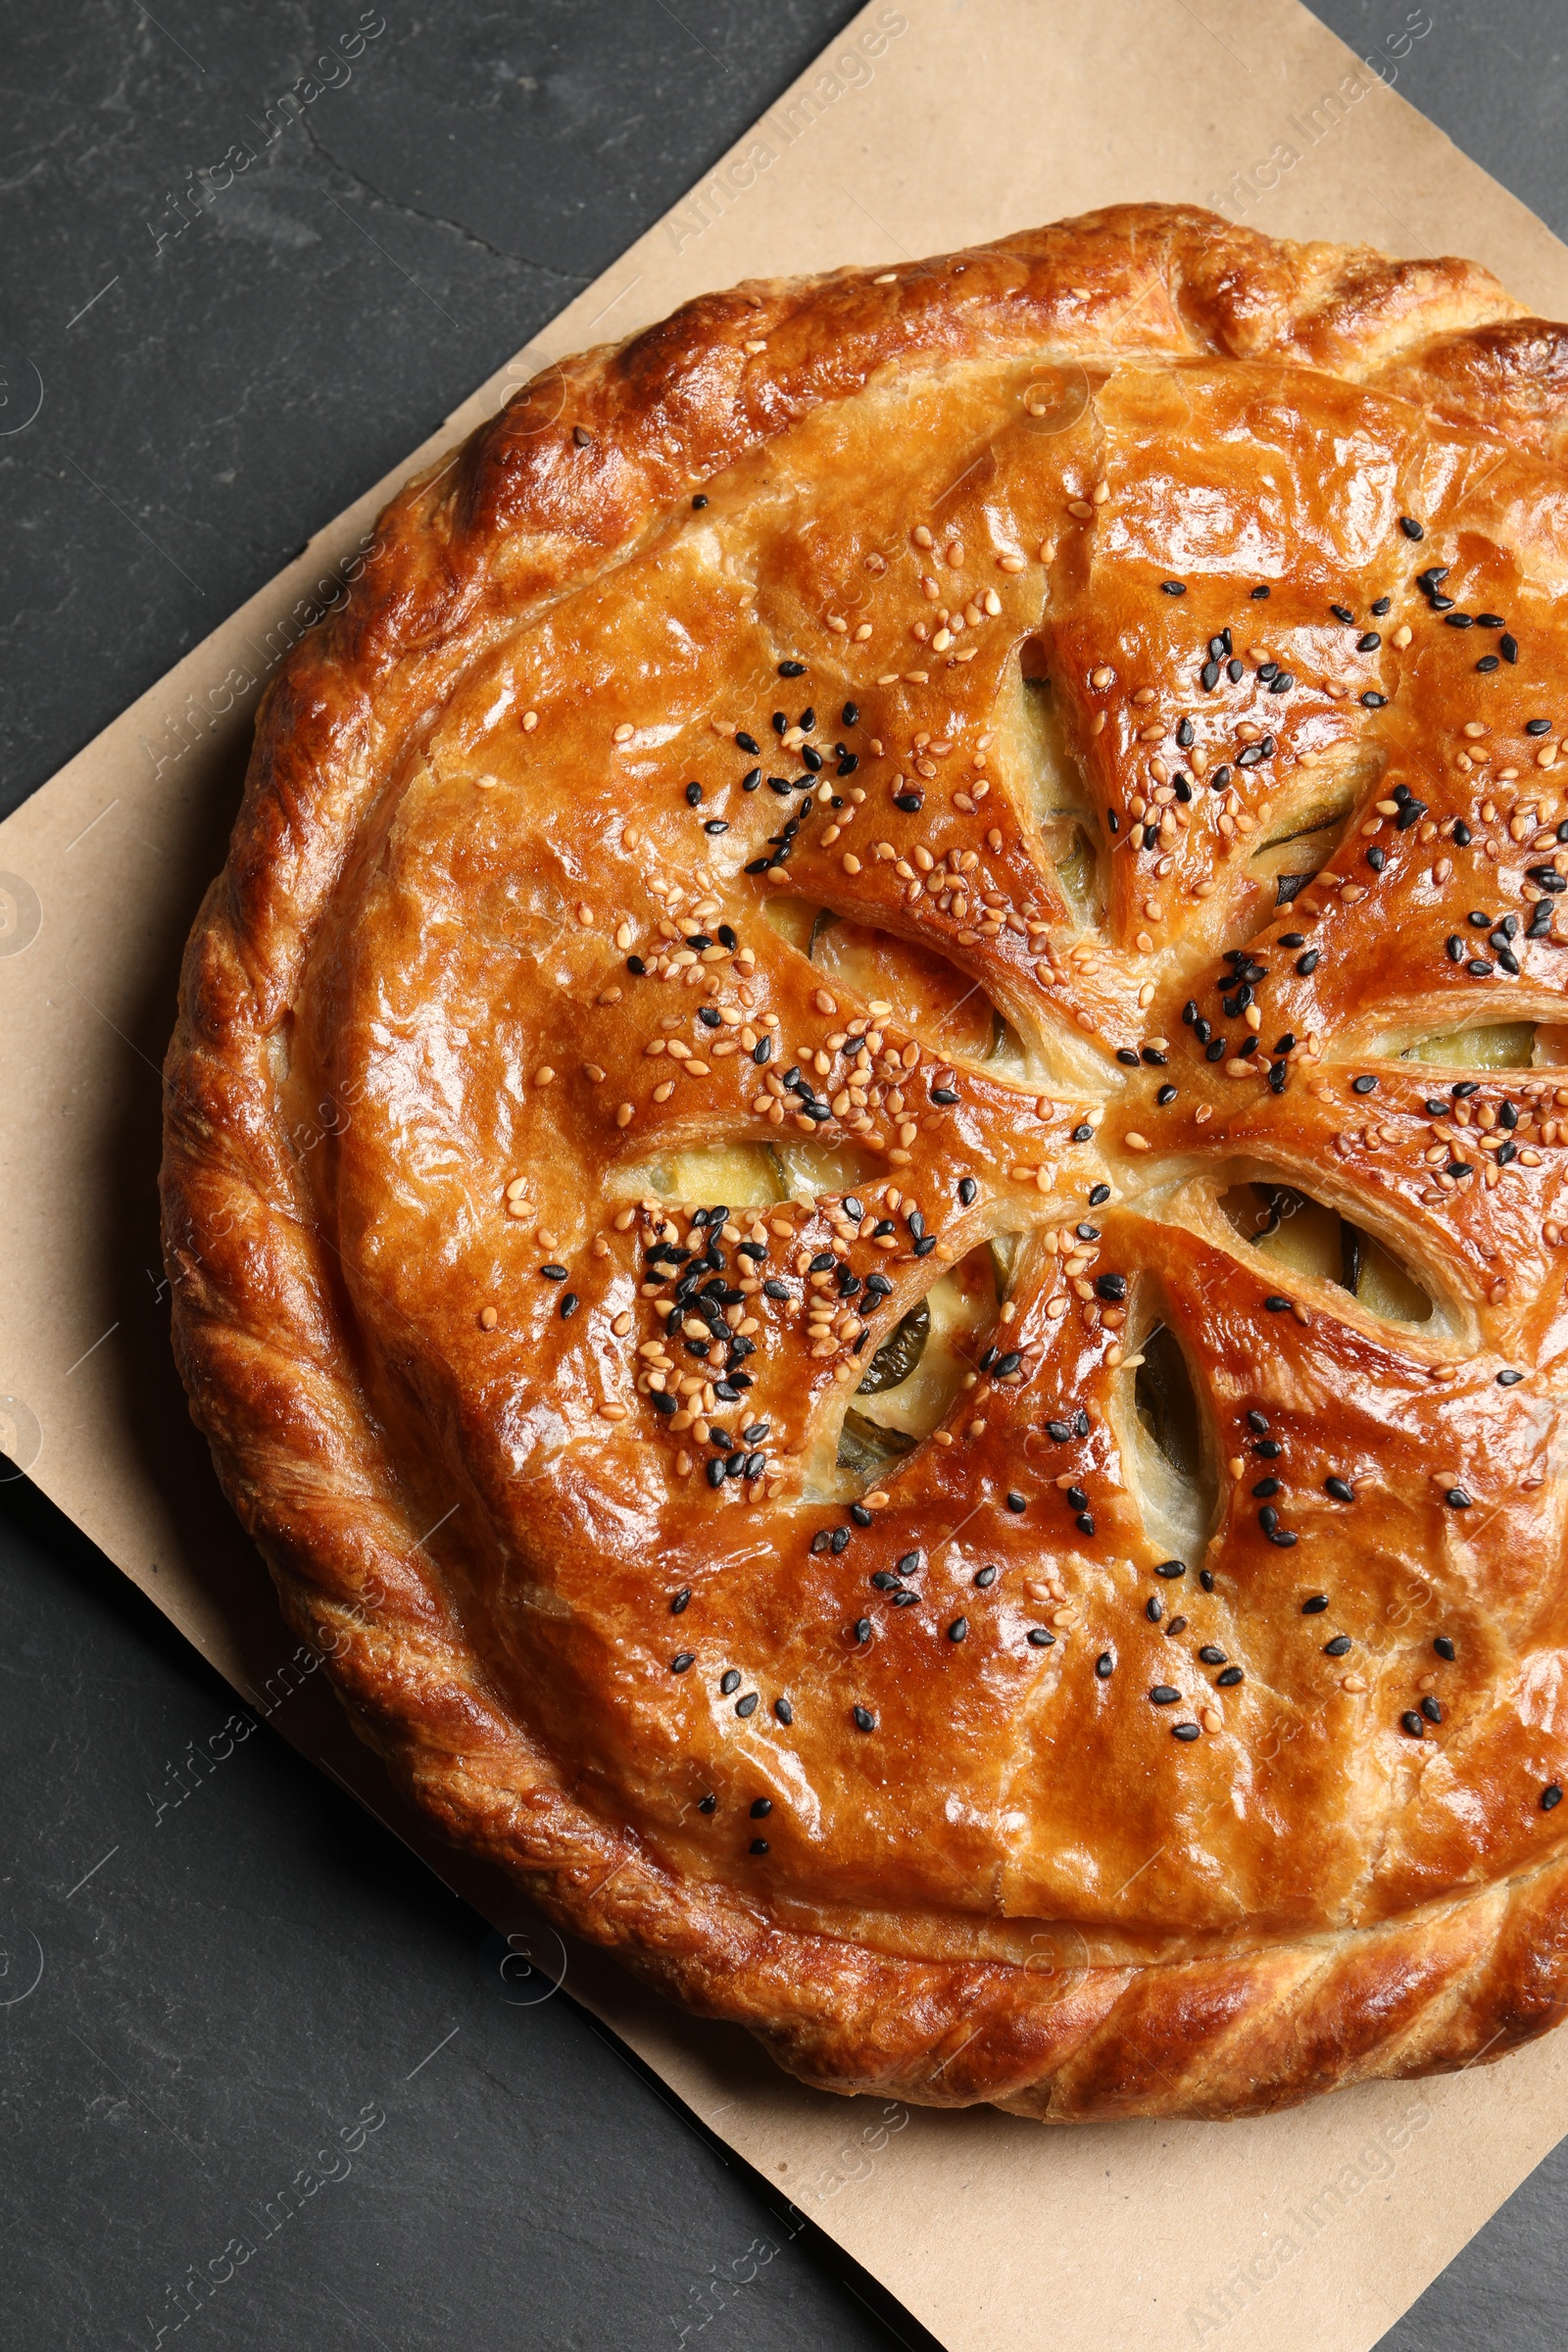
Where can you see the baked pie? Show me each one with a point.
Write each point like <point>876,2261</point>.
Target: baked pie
<point>864,1162</point>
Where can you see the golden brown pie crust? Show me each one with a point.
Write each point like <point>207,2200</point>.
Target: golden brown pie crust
<point>990,1871</point>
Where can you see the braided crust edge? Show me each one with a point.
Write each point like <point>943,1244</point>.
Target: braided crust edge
<point>262,1330</point>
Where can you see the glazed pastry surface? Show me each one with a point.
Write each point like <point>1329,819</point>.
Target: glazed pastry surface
<point>864,1162</point>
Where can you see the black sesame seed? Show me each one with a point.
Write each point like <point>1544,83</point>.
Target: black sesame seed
<point>729,1681</point>
<point>1211,1655</point>
<point>1104,1666</point>
<point>682,1659</point>
<point>968,1189</point>
<point>1154,1608</point>
<point>985,1577</point>
<point>700,500</point>
<point>1098,1195</point>
<point>1410,528</point>
<point>1550,1797</point>
<point>958,1630</point>
<point>1508,647</point>
<point>1510,1379</point>
<point>1363,1086</point>
<point>1164,1695</point>
<point>792,669</point>
<point>707,1804</point>
<point>1338,1647</point>
<point>1017,1502</point>
<point>748,743</point>
<point>1229,1678</point>
<point>759,1846</point>
<point>1184,1731</point>
<point>1039,1638</point>
<point>1432,1710</point>
<point>1315,1604</point>
<point>1412,1722</point>
<point>783,1710</point>
<point>1383,604</point>
<point>1457,1499</point>
<point>864,1720</point>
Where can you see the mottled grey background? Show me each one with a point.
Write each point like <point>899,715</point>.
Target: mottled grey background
<point>241,1976</point>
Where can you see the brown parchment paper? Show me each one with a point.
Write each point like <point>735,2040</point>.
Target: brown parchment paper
<point>925,127</point>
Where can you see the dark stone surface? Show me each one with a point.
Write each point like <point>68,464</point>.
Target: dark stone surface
<point>227,1984</point>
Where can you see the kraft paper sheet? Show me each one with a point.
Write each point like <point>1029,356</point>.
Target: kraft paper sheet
<point>920,129</point>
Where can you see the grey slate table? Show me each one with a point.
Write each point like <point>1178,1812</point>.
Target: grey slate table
<point>257,1987</point>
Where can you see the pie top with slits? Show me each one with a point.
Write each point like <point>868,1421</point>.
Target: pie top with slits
<point>864,1162</point>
